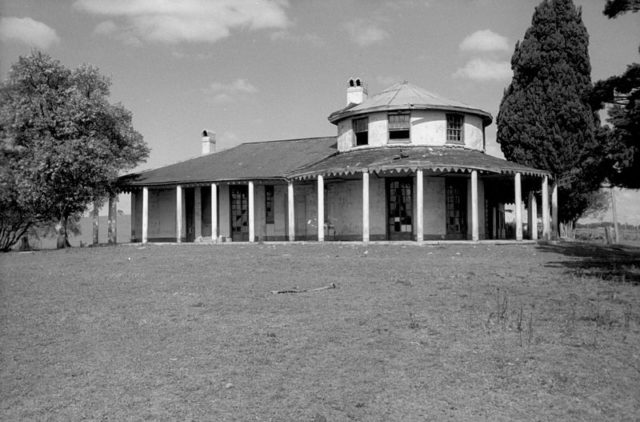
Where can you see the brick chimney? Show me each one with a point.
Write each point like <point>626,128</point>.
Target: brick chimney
<point>356,91</point>
<point>208,142</point>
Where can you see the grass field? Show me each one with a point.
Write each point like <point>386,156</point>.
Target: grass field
<point>473,332</point>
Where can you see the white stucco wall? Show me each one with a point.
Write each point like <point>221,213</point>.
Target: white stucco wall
<point>428,128</point>
<point>434,208</point>
<point>306,211</point>
<point>344,208</point>
<point>280,210</point>
<point>378,129</point>
<point>162,214</point>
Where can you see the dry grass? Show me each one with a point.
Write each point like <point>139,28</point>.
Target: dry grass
<point>410,334</point>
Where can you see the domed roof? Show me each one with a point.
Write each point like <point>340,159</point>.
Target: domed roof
<point>405,96</point>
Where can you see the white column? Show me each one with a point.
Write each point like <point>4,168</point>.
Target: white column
<point>320,208</point>
<point>533,216</point>
<point>291,212</point>
<point>145,214</point>
<point>252,226</point>
<point>554,210</point>
<point>474,206</point>
<point>518,207</point>
<point>419,206</point>
<point>546,229</point>
<point>365,206</point>
<point>214,212</point>
<point>178,213</point>
<point>197,212</point>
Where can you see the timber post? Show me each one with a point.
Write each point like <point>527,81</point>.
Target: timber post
<point>291,212</point>
<point>365,206</point>
<point>320,208</point>
<point>518,206</point>
<point>475,234</point>
<point>419,206</point>
<point>145,214</point>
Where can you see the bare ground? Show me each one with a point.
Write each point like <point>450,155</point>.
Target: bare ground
<point>473,332</point>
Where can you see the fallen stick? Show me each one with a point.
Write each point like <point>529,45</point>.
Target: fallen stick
<point>330,286</point>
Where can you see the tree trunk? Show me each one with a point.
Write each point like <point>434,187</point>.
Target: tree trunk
<point>63,237</point>
<point>24,244</point>
<point>96,226</point>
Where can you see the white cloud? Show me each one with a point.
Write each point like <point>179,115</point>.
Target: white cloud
<point>220,93</point>
<point>110,28</point>
<point>364,33</point>
<point>28,31</point>
<point>309,38</point>
<point>485,40</point>
<point>484,70</point>
<point>175,21</point>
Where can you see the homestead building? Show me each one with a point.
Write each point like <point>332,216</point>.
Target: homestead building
<point>405,165</point>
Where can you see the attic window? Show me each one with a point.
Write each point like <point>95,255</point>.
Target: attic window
<point>399,127</point>
<point>361,131</point>
<point>455,123</point>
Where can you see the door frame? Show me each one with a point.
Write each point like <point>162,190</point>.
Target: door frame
<point>244,190</point>
<point>461,185</point>
<point>393,235</point>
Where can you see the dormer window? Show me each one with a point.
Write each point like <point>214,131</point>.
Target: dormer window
<point>455,124</point>
<point>399,127</point>
<point>361,131</point>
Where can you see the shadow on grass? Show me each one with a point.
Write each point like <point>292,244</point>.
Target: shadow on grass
<point>617,262</point>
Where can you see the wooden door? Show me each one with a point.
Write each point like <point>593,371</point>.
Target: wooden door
<point>400,209</point>
<point>239,202</point>
<point>456,208</point>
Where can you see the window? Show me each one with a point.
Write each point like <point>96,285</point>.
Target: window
<point>268,204</point>
<point>361,130</point>
<point>455,123</point>
<point>399,126</point>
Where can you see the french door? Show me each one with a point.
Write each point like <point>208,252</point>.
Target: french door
<point>400,208</point>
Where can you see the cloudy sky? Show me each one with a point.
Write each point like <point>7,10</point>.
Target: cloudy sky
<point>253,70</point>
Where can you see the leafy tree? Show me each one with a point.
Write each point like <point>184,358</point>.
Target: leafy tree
<point>621,95</point>
<point>614,8</point>
<point>63,143</point>
<point>545,119</point>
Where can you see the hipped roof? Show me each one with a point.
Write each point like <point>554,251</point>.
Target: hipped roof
<point>405,96</point>
<point>249,161</point>
<point>408,159</point>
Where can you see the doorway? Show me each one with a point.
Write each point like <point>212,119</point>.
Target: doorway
<point>456,208</point>
<point>189,205</point>
<point>400,208</point>
<point>239,195</point>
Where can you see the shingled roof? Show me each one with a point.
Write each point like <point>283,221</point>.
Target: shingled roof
<point>400,159</point>
<point>249,161</point>
<point>404,96</point>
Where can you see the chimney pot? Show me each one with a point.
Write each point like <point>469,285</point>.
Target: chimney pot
<point>208,142</point>
<point>356,91</point>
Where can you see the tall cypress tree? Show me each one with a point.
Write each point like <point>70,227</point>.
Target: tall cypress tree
<point>545,120</point>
